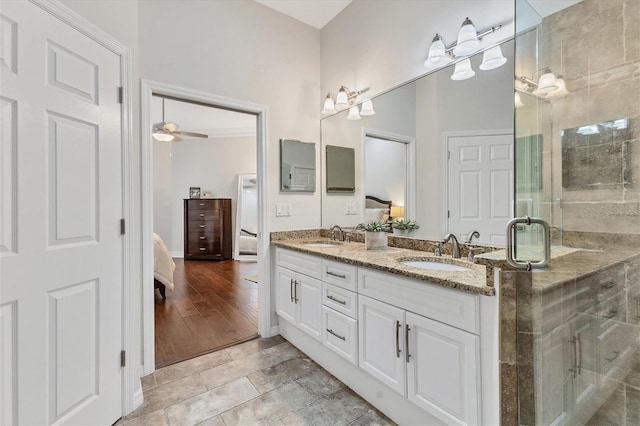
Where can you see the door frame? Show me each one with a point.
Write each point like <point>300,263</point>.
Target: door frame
<point>410,175</point>
<point>444,192</point>
<point>131,389</point>
<point>147,89</point>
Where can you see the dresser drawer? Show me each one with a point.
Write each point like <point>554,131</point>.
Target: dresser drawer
<point>204,215</point>
<point>339,299</point>
<point>201,204</point>
<point>208,249</point>
<point>340,334</point>
<point>201,227</point>
<point>299,262</point>
<point>340,274</point>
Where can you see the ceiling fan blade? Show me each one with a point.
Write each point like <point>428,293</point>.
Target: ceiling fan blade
<point>176,138</point>
<point>194,134</point>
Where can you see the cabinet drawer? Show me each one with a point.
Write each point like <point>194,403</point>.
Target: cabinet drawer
<point>204,204</point>
<point>299,262</point>
<point>201,227</point>
<point>204,215</point>
<point>340,274</point>
<point>341,300</point>
<point>195,249</point>
<point>451,307</point>
<point>340,334</point>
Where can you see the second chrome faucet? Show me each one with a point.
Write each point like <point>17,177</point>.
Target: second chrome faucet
<point>455,247</point>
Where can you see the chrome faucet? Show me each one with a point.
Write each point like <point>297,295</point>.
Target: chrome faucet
<point>340,233</point>
<point>471,235</point>
<point>455,248</point>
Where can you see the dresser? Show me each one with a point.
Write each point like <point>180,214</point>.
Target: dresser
<point>207,229</point>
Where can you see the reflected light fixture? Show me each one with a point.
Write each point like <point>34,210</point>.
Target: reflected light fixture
<point>492,58</point>
<point>547,87</point>
<point>347,99</point>
<point>463,70</point>
<point>517,102</point>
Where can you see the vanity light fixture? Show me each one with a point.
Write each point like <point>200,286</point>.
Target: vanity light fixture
<point>492,58</point>
<point>347,99</point>
<point>463,70</point>
<point>547,87</point>
<point>469,41</point>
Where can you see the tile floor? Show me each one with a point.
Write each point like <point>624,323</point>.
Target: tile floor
<point>260,382</point>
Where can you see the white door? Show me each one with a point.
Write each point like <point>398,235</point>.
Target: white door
<point>480,189</point>
<point>381,342</point>
<point>442,372</point>
<point>285,304</point>
<point>308,294</point>
<point>61,204</point>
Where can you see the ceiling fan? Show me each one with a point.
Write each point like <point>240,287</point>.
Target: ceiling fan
<point>166,132</point>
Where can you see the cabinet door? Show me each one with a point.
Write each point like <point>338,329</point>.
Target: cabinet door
<point>381,342</point>
<point>285,303</point>
<point>442,370</point>
<point>308,295</point>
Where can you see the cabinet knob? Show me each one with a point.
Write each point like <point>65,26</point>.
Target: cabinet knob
<point>202,204</point>
<point>201,214</point>
<point>202,238</point>
<point>201,226</point>
<point>203,248</point>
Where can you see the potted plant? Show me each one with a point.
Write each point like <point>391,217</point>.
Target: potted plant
<point>375,234</point>
<point>404,227</point>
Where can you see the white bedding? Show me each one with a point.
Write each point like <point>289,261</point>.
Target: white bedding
<point>248,245</point>
<point>163,264</point>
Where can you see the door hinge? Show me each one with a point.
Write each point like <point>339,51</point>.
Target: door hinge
<point>448,155</point>
<point>120,95</point>
<point>448,213</point>
<point>123,358</point>
<point>122,227</point>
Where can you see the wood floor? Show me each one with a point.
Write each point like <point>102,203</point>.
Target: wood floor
<point>212,306</point>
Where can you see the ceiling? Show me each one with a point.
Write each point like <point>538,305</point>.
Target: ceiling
<point>316,13</point>
<point>209,120</point>
<point>549,7</point>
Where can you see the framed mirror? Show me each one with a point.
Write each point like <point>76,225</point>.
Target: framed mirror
<point>297,166</point>
<point>246,238</point>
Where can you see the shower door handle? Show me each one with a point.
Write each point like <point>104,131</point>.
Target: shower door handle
<point>511,227</point>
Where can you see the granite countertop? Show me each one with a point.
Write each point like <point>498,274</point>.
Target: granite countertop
<point>473,281</point>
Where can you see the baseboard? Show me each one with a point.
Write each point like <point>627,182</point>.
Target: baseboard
<point>274,331</point>
<point>177,254</point>
<point>138,398</point>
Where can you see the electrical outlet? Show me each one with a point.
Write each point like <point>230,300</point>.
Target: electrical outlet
<point>283,209</point>
<point>351,209</point>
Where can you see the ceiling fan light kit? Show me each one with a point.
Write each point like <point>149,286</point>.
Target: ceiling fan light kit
<point>167,132</point>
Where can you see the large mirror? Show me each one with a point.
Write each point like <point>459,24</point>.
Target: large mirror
<point>246,240</point>
<point>441,149</point>
<point>297,166</point>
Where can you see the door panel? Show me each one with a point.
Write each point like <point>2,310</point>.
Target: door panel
<point>61,248</point>
<point>480,187</point>
<point>285,306</point>
<point>309,305</point>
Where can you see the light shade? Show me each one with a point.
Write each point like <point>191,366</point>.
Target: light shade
<point>162,136</point>
<point>329,106</point>
<point>366,108</point>
<point>463,70</point>
<point>517,102</point>
<point>353,113</point>
<point>397,212</point>
<point>546,84</point>
<point>492,58</point>
<point>342,98</point>
<point>468,42</point>
<point>561,91</point>
<point>437,51</point>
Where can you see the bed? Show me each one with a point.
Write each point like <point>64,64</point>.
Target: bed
<point>248,242</point>
<point>376,209</point>
<point>163,266</point>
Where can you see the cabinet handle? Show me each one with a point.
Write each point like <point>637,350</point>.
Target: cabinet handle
<point>202,238</point>
<point>337,335</point>
<point>574,366</point>
<point>295,291</point>
<point>406,341</point>
<point>342,302</point>
<point>398,339</point>
<point>202,204</point>
<point>201,214</point>
<point>201,226</point>
<point>579,350</point>
<point>203,248</point>
<point>291,290</point>
<point>336,275</point>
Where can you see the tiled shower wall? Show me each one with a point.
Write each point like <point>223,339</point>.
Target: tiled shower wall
<point>595,45</point>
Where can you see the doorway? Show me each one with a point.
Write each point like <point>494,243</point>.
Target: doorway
<point>223,280</point>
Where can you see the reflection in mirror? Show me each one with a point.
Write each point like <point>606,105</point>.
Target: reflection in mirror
<point>297,166</point>
<point>462,133</point>
<point>340,169</point>
<point>246,240</point>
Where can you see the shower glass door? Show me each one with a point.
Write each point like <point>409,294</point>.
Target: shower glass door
<point>578,167</point>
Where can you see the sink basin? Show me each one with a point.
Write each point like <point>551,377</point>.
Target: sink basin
<point>438,266</point>
<point>323,244</point>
